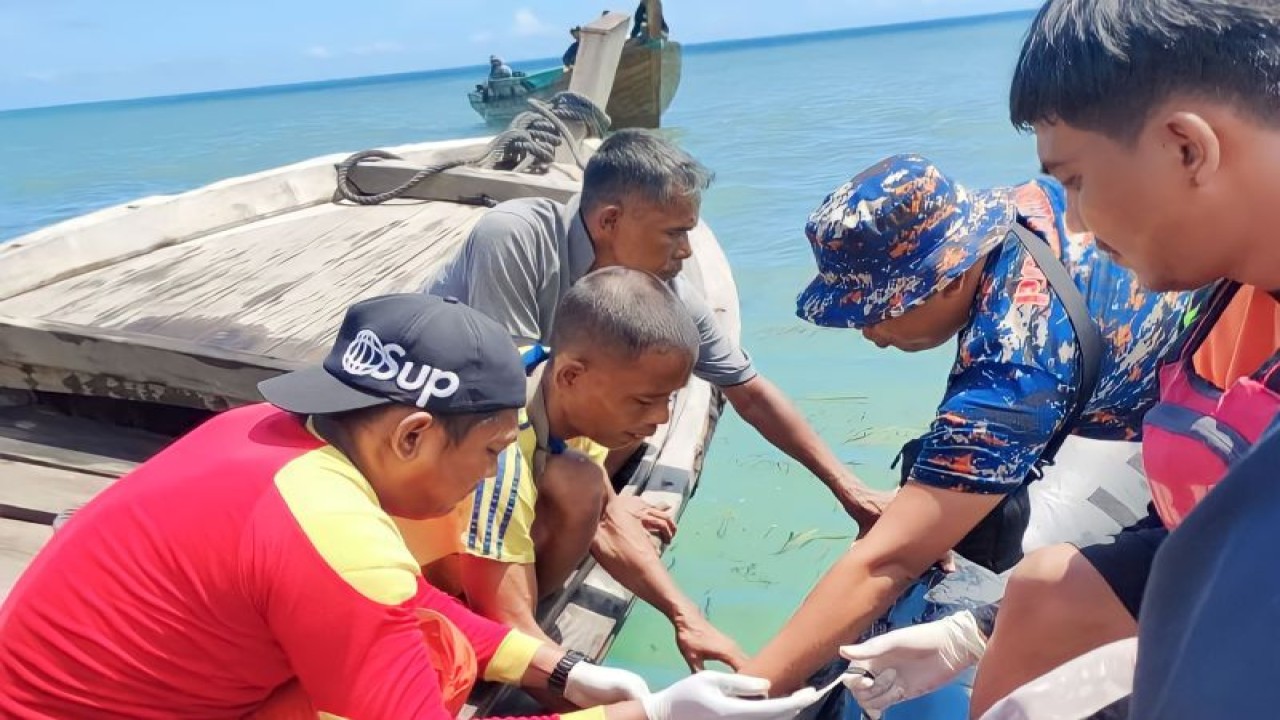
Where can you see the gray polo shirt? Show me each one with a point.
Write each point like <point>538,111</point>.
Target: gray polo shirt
<point>523,255</point>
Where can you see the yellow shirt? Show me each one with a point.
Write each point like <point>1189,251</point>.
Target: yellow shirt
<point>496,522</point>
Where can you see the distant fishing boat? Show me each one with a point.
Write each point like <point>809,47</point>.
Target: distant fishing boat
<point>647,78</point>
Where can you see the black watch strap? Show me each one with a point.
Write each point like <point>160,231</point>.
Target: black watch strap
<point>560,675</point>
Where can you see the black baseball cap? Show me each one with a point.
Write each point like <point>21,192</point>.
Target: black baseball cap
<point>410,349</point>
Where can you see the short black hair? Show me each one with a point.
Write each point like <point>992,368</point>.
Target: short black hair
<point>1105,65</point>
<point>626,312</point>
<point>642,162</point>
<point>455,426</point>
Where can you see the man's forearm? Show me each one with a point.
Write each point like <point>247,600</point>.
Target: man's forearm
<point>629,556</point>
<point>541,666</point>
<point>768,410</point>
<point>521,619</point>
<point>840,607</point>
<point>502,592</point>
<point>920,525</point>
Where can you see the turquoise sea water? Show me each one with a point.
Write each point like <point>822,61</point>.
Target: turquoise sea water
<point>782,122</point>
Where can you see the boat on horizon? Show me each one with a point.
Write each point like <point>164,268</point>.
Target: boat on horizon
<point>646,81</point>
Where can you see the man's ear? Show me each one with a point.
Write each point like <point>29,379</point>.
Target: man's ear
<point>964,282</point>
<point>408,435</point>
<point>602,223</point>
<point>568,371</point>
<point>1196,142</point>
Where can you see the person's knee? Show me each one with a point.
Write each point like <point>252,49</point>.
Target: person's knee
<point>573,488</point>
<point>1048,582</point>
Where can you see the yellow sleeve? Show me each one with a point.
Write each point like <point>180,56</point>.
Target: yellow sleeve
<point>512,658</point>
<point>595,713</point>
<point>499,517</point>
<point>340,516</point>
<point>592,449</point>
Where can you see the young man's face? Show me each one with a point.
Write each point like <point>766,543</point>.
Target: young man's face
<point>643,235</point>
<point>618,402</point>
<point>1154,204</point>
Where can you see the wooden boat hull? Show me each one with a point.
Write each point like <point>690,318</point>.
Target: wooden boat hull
<point>645,84</point>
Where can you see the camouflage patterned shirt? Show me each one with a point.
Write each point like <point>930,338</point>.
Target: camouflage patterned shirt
<point>1015,373</point>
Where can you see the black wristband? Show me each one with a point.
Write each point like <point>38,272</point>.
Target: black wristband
<point>560,675</point>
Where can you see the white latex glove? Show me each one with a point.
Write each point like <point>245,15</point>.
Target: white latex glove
<point>913,661</point>
<point>711,695</point>
<point>588,685</point>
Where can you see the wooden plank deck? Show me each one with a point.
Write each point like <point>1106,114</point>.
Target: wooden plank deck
<point>50,463</point>
<point>36,436</point>
<point>275,288</point>
<point>19,543</point>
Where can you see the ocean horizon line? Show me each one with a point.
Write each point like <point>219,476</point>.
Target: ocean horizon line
<point>708,47</point>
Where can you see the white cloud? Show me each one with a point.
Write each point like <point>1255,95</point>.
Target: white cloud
<point>481,37</point>
<point>527,24</point>
<point>44,76</point>
<point>382,47</point>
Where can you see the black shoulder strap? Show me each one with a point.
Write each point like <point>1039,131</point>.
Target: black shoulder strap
<point>1088,339</point>
<point>1207,314</point>
<point>1269,373</point>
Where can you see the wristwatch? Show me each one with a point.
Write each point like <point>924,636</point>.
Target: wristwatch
<point>560,675</point>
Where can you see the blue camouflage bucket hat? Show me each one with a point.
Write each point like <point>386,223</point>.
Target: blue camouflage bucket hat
<point>894,235</point>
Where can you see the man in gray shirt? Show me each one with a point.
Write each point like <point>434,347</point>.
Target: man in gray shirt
<point>640,198</point>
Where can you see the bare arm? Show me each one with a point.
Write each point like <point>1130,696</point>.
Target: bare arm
<point>768,410</point>
<point>626,550</point>
<point>504,592</point>
<point>919,526</point>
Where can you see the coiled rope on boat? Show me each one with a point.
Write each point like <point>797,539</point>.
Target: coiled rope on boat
<point>528,144</point>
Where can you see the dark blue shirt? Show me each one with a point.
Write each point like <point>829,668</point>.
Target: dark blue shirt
<point>1209,632</point>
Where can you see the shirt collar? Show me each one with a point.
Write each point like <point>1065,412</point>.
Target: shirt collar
<point>582,253</point>
<point>533,357</point>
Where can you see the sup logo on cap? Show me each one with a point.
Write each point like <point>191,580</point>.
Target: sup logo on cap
<point>368,356</point>
<point>432,353</point>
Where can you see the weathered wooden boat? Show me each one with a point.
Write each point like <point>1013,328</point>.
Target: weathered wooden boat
<point>647,78</point>
<point>122,329</point>
<point>499,100</point>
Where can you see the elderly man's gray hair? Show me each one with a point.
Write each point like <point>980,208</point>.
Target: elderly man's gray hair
<point>643,163</point>
<point>628,312</point>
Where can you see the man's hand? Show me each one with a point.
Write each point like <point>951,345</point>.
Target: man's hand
<point>863,504</point>
<point>633,510</point>
<point>699,641</point>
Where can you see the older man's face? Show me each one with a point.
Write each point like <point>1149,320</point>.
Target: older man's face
<point>643,235</point>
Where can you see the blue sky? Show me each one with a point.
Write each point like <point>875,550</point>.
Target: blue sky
<point>63,51</point>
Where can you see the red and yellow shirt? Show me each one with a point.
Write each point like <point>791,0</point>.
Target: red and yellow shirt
<point>247,555</point>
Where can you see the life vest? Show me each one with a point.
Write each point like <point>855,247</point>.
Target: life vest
<point>1197,430</point>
